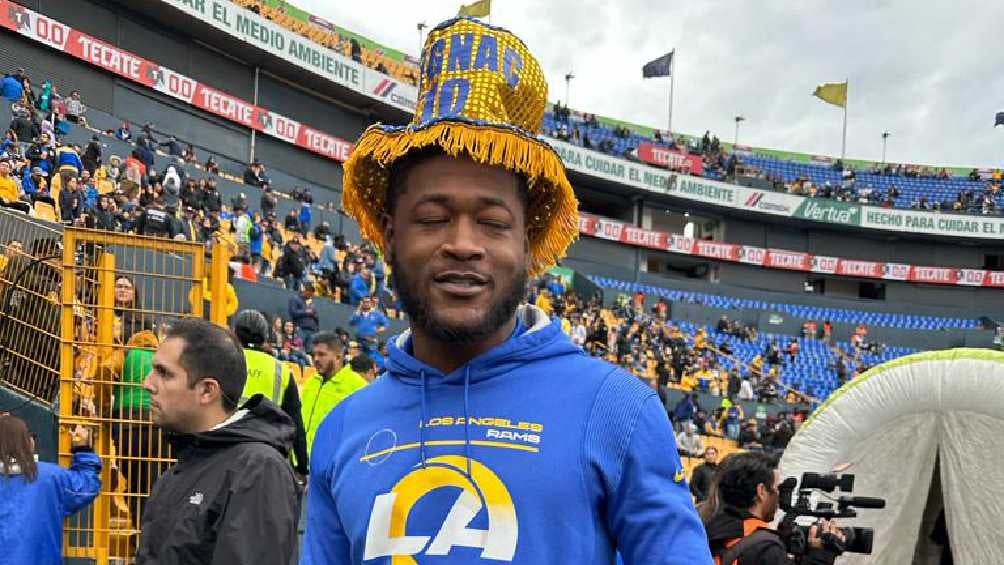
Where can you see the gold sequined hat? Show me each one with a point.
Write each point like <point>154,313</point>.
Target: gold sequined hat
<point>482,96</point>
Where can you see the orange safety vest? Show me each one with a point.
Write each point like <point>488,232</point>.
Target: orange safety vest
<point>750,525</point>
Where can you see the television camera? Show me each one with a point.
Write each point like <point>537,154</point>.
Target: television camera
<point>856,539</point>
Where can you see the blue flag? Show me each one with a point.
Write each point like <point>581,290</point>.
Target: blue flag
<point>999,119</point>
<point>661,67</point>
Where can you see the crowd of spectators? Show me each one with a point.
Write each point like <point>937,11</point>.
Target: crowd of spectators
<point>84,187</point>
<point>324,33</point>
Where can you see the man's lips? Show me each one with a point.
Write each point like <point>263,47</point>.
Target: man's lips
<point>460,283</point>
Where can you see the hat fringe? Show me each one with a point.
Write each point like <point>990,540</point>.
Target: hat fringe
<point>553,208</point>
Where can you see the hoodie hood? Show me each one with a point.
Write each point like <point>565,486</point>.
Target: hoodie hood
<point>542,339</point>
<point>262,421</point>
<point>725,525</point>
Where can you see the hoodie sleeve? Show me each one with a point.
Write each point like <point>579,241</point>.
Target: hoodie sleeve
<point>325,542</point>
<point>81,483</point>
<point>291,405</point>
<point>648,508</point>
<point>260,520</point>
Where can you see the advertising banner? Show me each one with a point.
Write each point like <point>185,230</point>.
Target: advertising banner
<point>922,221</point>
<point>791,260</point>
<point>622,232</point>
<point>167,81</point>
<point>288,45</point>
<point>675,159</point>
<point>610,168</point>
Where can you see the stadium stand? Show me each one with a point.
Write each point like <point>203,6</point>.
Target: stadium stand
<point>798,310</point>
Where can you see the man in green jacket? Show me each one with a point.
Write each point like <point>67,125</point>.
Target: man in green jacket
<point>334,381</point>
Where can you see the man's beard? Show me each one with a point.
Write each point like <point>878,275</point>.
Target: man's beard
<point>414,301</point>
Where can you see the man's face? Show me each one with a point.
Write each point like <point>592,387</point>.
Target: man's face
<point>711,455</point>
<point>325,360</point>
<point>365,305</point>
<point>457,244</point>
<point>768,497</point>
<point>173,405</point>
<point>4,168</point>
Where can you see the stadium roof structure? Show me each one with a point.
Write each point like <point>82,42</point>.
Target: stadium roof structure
<point>922,431</point>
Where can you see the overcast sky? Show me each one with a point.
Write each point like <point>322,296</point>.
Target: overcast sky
<point>931,72</point>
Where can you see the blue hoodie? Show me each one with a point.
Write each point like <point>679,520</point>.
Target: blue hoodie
<point>531,453</point>
<point>31,514</point>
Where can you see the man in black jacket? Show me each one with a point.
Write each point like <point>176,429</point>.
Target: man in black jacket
<point>232,497</point>
<point>747,499</point>
<point>704,475</point>
<point>156,221</point>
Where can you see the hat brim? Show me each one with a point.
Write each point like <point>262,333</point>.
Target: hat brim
<point>553,217</point>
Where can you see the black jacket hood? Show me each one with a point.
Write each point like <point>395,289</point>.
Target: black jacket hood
<point>258,420</point>
<point>725,525</point>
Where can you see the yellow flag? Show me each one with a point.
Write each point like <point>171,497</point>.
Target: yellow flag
<point>478,9</point>
<point>833,92</point>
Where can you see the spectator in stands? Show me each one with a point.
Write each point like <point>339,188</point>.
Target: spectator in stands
<point>172,146</point>
<point>34,181</point>
<point>328,263</point>
<point>733,418</point>
<point>291,345</point>
<point>88,190</point>
<point>253,175</point>
<point>239,471</point>
<point>91,158</point>
<point>683,412</point>
<point>723,324</point>
<point>75,108</point>
<point>304,316</point>
<point>703,475</point>
<point>103,214</point>
<point>37,496</point>
<point>190,225</point>
<point>211,166</point>
<point>211,199</point>
<point>688,442</point>
<point>10,189</point>
<point>361,286</point>
<point>242,232</point>
<point>268,201</point>
<point>749,438</point>
<point>156,221</point>
<point>305,218</point>
<point>368,320</point>
<point>123,133</point>
<point>256,240</point>
<point>71,201</point>
<point>329,386</point>
<point>292,221</point>
<point>25,129</point>
<point>792,350</point>
<point>68,163</point>
<point>291,266</point>
<point>323,231</point>
<point>145,152</point>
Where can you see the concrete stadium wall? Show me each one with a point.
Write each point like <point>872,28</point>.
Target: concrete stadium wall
<point>273,300</point>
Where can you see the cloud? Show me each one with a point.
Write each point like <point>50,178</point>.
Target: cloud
<point>929,72</point>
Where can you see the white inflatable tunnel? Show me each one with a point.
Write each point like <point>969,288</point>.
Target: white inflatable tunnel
<point>925,432</point>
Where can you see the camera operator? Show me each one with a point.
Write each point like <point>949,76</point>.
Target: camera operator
<point>746,499</point>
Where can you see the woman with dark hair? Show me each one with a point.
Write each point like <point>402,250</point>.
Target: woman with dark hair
<point>35,497</point>
<point>127,304</point>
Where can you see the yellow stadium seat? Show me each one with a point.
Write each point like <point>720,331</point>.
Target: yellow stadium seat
<point>46,211</point>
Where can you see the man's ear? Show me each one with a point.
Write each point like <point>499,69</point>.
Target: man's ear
<point>209,391</point>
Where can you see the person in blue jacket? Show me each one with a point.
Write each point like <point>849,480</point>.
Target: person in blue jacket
<point>35,497</point>
<point>11,88</point>
<point>491,438</point>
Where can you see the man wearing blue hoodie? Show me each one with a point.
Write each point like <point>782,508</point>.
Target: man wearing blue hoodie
<point>490,438</point>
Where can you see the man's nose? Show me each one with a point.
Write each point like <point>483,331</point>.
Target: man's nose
<point>463,242</point>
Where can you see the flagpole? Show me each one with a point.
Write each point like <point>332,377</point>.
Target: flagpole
<point>843,141</point>
<point>672,79</point>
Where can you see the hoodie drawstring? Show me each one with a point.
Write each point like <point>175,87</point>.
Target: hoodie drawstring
<point>467,418</point>
<point>421,423</point>
<point>467,421</point>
